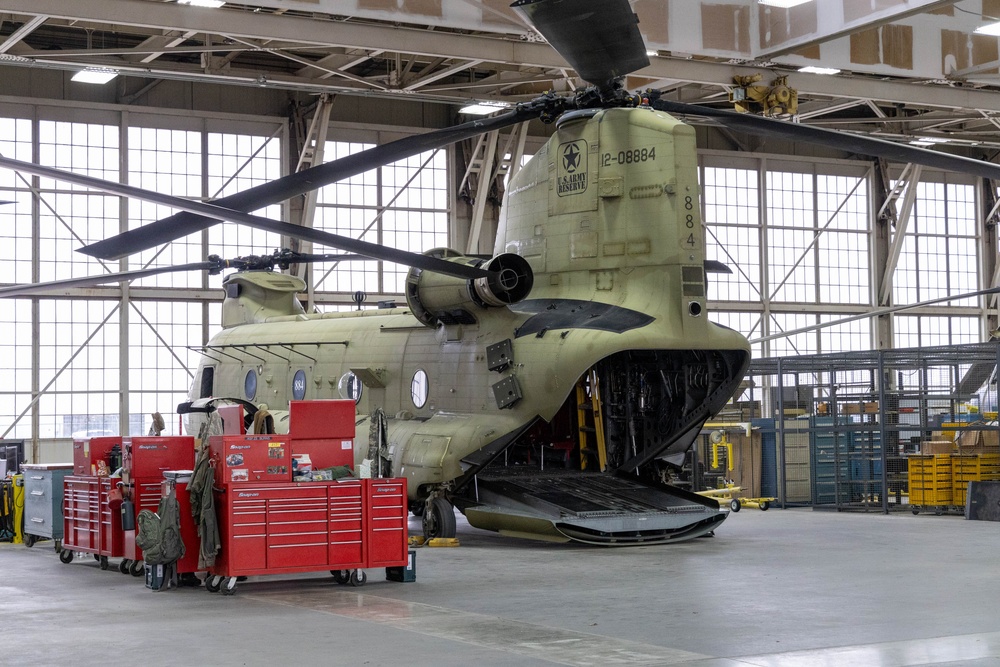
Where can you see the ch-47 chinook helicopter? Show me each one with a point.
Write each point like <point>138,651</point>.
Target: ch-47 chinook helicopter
<point>590,316</point>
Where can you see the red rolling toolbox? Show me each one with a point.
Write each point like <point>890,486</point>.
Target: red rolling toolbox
<point>91,521</point>
<point>144,460</point>
<point>342,526</point>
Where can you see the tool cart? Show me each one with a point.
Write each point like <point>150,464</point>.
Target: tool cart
<point>43,498</point>
<point>270,524</point>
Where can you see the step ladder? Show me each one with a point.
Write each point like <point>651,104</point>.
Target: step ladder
<point>589,403</point>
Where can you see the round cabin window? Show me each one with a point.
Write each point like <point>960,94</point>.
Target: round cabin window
<point>250,384</point>
<point>299,385</point>
<point>418,388</point>
<point>350,387</point>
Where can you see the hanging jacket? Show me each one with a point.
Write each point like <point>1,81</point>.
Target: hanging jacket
<point>203,508</point>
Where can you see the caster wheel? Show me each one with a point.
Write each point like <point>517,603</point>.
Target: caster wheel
<point>228,586</point>
<point>103,561</point>
<point>123,565</point>
<point>358,578</point>
<point>764,506</point>
<point>66,556</point>
<point>29,540</point>
<point>97,557</point>
<point>137,568</point>
<point>915,512</point>
<point>341,576</point>
<point>188,579</point>
<point>213,583</point>
<point>734,505</point>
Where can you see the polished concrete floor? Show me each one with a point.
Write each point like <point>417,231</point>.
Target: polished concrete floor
<point>783,587</point>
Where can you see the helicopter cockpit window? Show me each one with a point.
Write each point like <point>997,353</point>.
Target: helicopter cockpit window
<point>250,384</point>
<point>418,388</point>
<point>207,382</point>
<point>350,387</point>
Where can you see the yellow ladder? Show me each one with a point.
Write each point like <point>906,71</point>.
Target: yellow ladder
<point>590,404</point>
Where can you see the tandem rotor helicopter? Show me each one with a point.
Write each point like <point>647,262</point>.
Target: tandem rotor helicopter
<point>546,391</point>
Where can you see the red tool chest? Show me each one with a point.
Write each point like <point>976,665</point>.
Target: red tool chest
<point>145,459</point>
<point>345,524</point>
<point>324,430</point>
<point>86,453</point>
<point>90,523</point>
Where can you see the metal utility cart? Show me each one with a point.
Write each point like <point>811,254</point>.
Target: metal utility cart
<point>43,500</point>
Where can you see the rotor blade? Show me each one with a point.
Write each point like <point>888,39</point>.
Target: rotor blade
<point>216,212</point>
<point>88,281</point>
<point>874,313</point>
<point>5,202</point>
<point>600,39</point>
<point>852,143</point>
<point>180,225</point>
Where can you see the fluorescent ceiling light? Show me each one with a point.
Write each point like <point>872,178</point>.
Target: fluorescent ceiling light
<point>809,69</point>
<point>783,3</point>
<point>214,4</point>
<point>652,53</point>
<point>483,108</point>
<point>929,141</point>
<point>95,75</point>
<point>989,29</point>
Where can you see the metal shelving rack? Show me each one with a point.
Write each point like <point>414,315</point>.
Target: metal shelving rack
<point>862,413</point>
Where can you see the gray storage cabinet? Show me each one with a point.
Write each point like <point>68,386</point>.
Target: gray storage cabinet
<point>43,499</point>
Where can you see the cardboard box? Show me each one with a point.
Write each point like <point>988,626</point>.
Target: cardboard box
<point>936,447</point>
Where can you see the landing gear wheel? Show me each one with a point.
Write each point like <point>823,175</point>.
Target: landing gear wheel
<point>764,506</point>
<point>213,583</point>
<point>341,576</point>
<point>66,556</point>
<point>439,519</point>
<point>358,578</point>
<point>137,568</point>
<point>103,562</point>
<point>228,586</point>
<point>29,540</point>
<point>123,566</point>
<point>734,505</point>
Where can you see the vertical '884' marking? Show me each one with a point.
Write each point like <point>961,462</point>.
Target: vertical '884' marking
<point>690,241</point>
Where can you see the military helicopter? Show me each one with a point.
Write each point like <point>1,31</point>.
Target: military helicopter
<point>550,390</point>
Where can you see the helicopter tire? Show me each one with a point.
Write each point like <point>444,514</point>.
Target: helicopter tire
<point>439,519</point>
<point>66,556</point>
<point>734,505</point>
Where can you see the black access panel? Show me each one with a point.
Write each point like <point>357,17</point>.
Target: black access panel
<point>982,502</point>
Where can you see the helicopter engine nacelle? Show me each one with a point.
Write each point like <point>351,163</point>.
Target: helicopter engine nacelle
<point>435,298</point>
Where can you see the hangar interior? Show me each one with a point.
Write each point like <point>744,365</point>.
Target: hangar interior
<point>862,284</point>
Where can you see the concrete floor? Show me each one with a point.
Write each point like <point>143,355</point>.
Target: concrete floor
<point>783,587</point>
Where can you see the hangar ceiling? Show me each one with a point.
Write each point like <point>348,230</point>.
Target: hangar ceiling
<point>908,68</point>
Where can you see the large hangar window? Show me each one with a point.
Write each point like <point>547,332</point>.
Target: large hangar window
<point>402,205</point>
<point>797,234</point>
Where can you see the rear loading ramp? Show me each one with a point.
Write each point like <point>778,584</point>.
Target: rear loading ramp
<point>595,508</point>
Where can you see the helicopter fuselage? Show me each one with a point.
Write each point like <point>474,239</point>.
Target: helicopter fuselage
<point>607,217</point>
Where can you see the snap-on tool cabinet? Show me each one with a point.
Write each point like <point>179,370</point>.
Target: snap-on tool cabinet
<point>144,460</point>
<point>269,524</point>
